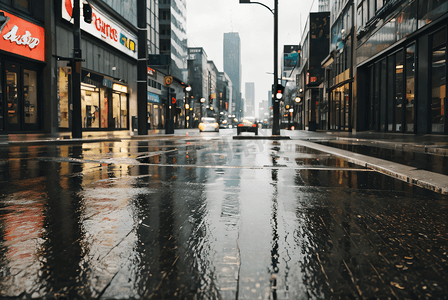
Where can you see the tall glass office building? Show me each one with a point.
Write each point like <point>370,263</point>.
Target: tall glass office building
<point>173,35</point>
<point>232,66</point>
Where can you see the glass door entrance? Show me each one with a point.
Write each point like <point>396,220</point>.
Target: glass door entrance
<point>12,96</point>
<point>21,98</point>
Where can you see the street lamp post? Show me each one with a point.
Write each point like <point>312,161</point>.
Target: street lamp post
<point>276,102</point>
<point>202,103</point>
<point>187,105</point>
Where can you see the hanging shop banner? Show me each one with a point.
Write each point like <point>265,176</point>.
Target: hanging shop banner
<point>104,28</point>
<point>22,37</point>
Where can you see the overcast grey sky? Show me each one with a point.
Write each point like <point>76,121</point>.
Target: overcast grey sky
<point>207,21</point>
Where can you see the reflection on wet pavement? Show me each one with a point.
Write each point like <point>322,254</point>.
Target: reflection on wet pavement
<point>213,219</point>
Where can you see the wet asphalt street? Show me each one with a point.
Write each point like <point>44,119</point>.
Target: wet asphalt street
<point>204,216</point>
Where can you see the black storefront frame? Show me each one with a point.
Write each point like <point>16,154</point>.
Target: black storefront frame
<point>422,117</point>
<point>430,73</point>
<point>22,126</point>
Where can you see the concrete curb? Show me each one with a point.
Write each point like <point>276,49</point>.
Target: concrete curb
<point>421,178</point>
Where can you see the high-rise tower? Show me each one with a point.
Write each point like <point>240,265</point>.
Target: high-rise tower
<point>250,99</point>
<point>232,66</point>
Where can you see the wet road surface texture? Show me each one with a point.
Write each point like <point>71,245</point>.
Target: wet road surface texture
<point>208,217</point>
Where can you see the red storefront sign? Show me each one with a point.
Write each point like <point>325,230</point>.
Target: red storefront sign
<point>22,37</point>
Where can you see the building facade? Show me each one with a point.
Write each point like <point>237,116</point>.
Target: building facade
<point>23,54</point>
<point>224,97</point>
<point>386,70</point>
<point>312,111</point>
<point>173,43</point>
<point>249,108</point>
<point>401,66</point>
<point>109,67</point>
<point>233,68</point>
<point>155,107</point>
<point>198,80</point>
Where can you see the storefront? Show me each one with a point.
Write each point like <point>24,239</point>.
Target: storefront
<point>104,103</point>
<point>402,89</point>
<point>155,112</point>
<point>22,49</point>
<point>108,71</point>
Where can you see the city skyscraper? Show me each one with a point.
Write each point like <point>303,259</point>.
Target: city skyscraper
<point>250,99</point>
<point>173,35</point>
<point>232,66</point>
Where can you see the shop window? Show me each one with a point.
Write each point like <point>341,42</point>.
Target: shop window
<point>30,96</point>
<point>104,108</point>
<point>383,95</point>
<point>399,101</point>
<point>410,88</point>
<point>63,114</point>
<point>438,73</point>
<point>12,96</point>
<point>90,106</point>
<point>124,111</point>
<point>116,110</point>
<point>390,92</point>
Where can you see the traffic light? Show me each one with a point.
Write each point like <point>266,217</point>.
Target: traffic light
<point>87,10</point>
<point>279,93</point>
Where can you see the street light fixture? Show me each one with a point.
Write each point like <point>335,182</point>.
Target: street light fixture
<point>276,104</point>
<point>202,103</point>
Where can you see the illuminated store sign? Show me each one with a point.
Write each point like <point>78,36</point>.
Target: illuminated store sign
<point>22,37</point>
<point>104,28</point>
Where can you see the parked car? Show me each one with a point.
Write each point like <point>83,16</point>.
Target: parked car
<point>208,124</point>
<point>247,125</point>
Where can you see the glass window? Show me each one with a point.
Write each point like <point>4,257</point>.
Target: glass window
<point>383,96</point>
<point>116,110</point>
<point>410,88</point>
<point>379,4</point>
<point>90,108</point>
<point>12,96</point>
<point>365,10</point>
<point>104,108</point>
<point>30,96</point>
<point>438,73</point>
<point>359,18</point>
<point>63,118</point>
<point>124,111</point>
<point>390,92</point>
<point>429,10</point>
<point>372,9</point>
<point>398,91</point>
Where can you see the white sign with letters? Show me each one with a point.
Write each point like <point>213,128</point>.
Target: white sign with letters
<point>104,28</point>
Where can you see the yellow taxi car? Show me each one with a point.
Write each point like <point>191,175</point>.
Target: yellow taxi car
<point>208,124</point>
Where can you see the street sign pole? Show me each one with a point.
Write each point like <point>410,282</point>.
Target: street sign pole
<point>76,73</point>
